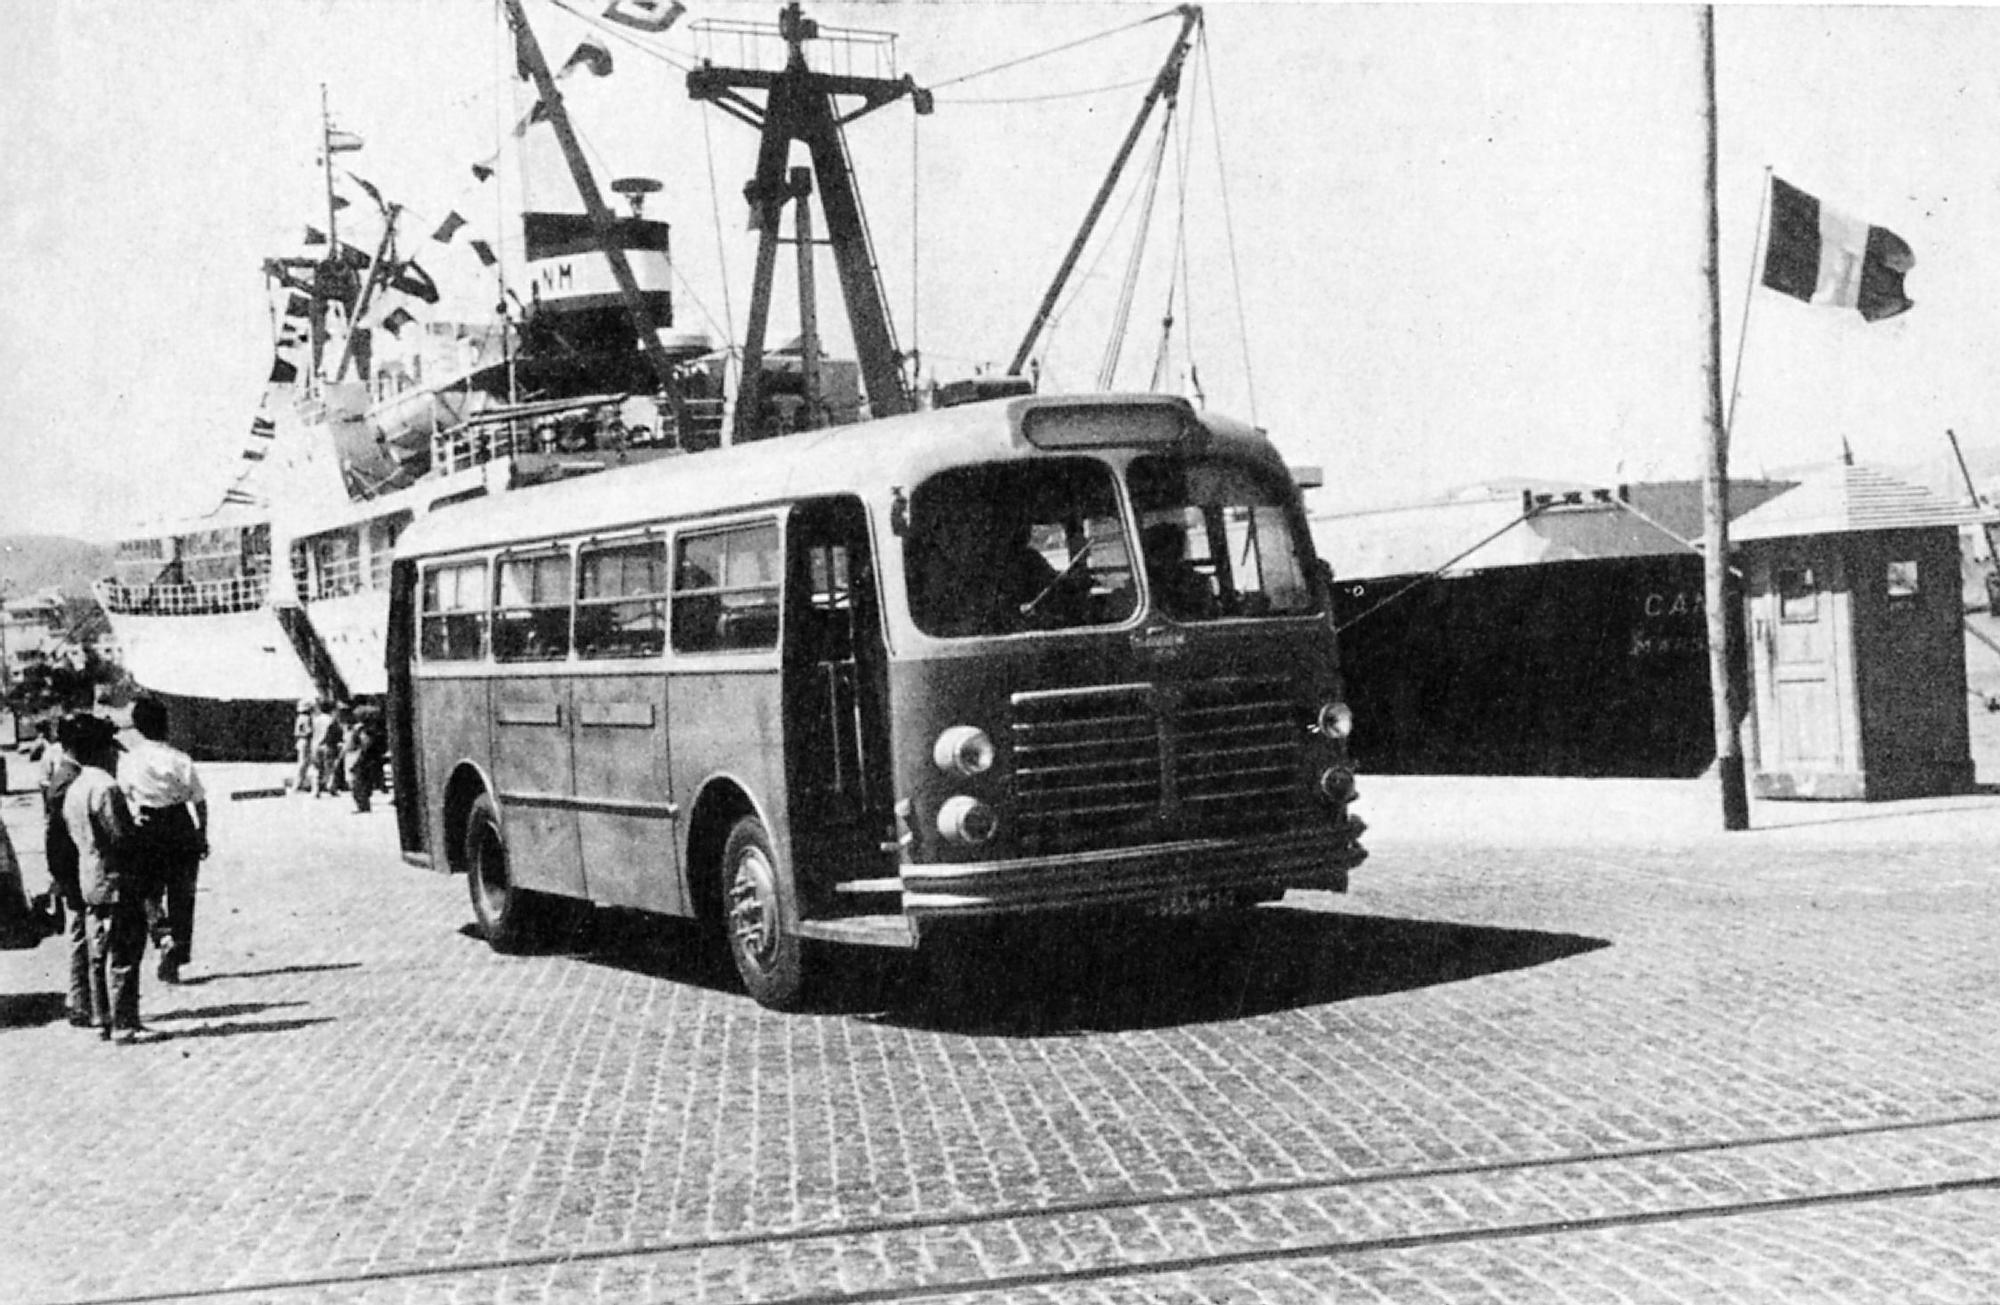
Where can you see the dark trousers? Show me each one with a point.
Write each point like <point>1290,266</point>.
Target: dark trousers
<point>169,849</point>
<point>117,946</point>
<point>171,914</point>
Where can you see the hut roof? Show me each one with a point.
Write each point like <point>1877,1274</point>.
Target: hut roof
<point>1848,497</point>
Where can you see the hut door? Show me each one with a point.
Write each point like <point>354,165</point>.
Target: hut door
<point>1796,647</point>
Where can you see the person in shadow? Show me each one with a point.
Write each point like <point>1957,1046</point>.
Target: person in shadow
<point>60,771</point>
<point>1179,589</point>
<point>114,888</point>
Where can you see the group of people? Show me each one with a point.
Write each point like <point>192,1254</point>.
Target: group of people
<point>340,749</point>
<point>126,833</point>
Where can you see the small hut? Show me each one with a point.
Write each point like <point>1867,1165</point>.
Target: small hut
<point>1856,639</point>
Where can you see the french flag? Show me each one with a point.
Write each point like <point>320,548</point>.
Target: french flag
<point>1823,256</point>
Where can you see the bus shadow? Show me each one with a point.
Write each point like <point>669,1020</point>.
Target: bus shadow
<point>659,947</point>
<point>1075,978</point>
<point>1091,974</point>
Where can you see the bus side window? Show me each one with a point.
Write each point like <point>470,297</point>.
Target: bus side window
<point>621,608</point>
<point>454,613</point>
<point>531,613</point>
<point>726,590</point>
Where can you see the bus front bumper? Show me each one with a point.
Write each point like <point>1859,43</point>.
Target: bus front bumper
<point>1157,874</point>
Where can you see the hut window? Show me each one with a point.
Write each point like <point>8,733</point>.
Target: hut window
<point>1798,596</point>
<point>1902,580</point>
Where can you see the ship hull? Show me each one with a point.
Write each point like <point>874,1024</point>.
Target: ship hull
<point>231,681</point>
<point>352,628</point>
<point>1579,668</point>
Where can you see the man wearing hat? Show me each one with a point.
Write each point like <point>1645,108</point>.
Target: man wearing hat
<point>114,893</point>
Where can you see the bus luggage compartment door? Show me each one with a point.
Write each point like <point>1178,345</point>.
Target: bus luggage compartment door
<point>532,766</point>
<point>625,814</point>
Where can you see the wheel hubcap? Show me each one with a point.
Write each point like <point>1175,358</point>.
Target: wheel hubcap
<point>753,906</point>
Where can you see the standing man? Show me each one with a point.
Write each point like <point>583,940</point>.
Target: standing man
<point>171,809</point>
<point>365,752</point>
<point>327,752</point>
<point>60,769</point>
<point>302,743</point>
<point>114,893</point>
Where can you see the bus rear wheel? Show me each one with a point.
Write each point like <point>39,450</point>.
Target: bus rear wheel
<point>504,910</point>
<point>757,902</point>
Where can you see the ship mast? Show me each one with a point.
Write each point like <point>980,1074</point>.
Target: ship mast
<point>799,106</point>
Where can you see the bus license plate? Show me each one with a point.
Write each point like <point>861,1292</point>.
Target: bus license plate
<point>1185,903</point>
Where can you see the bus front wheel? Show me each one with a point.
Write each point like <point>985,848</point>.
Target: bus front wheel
<point>757,901</point>
<point>502,908</point>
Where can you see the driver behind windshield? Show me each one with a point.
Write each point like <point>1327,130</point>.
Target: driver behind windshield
<point>1030,591</point>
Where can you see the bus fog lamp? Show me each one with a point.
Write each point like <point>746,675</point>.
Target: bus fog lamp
<point>1336,720</point>
<point>967,820</point>
<point>963,750</point>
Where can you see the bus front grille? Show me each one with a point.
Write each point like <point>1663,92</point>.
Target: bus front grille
<point>1124,765</point>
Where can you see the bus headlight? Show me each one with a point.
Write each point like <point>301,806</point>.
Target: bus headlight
<point>1336,720</point>
<point>963,750</point>
<point>967,820</point>
<point>1337,785</point>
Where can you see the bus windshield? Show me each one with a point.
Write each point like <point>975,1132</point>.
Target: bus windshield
<point>1016,546</point>
<point>1008,547</point>
<point>1218,540</point>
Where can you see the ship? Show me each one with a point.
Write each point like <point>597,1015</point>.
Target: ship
<point>379,412</point>
<point>1530,627</point>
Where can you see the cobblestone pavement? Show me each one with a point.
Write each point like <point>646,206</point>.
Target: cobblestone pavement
<point>1561,1043</point>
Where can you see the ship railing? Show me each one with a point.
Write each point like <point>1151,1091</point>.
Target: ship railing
<point>335,580</point>
<point>466,447</point>
<point>761,46</point>
<point>205,598</point>
<point>473,444</point>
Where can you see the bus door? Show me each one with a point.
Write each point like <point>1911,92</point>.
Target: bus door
<point>531,712</point>
<point>618,736</point>
<point>836,733</point>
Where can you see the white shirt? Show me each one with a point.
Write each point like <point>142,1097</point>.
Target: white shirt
<point>158,775</point>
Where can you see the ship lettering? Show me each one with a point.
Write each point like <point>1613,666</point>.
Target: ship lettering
<point>1679,603</point>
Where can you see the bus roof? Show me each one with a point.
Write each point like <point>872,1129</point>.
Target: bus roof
<point>864,458</point>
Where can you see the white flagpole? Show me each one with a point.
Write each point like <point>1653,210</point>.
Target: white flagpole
<point>1749,296</point>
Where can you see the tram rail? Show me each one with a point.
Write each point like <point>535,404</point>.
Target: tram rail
<point>1288,1250</point>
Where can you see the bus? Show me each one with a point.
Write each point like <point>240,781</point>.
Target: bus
<point>878,683</point>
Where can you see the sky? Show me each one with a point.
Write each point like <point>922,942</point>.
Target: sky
<point>1426,245</point>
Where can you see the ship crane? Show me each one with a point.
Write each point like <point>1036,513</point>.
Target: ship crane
<point>799,105</point>
<point>1166,86</point>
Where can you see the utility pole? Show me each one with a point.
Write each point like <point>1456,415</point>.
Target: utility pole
<point>6,619</point>
<point>1718,593</point>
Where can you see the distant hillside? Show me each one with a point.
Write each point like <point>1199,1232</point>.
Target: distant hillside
<point>35,562</point>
